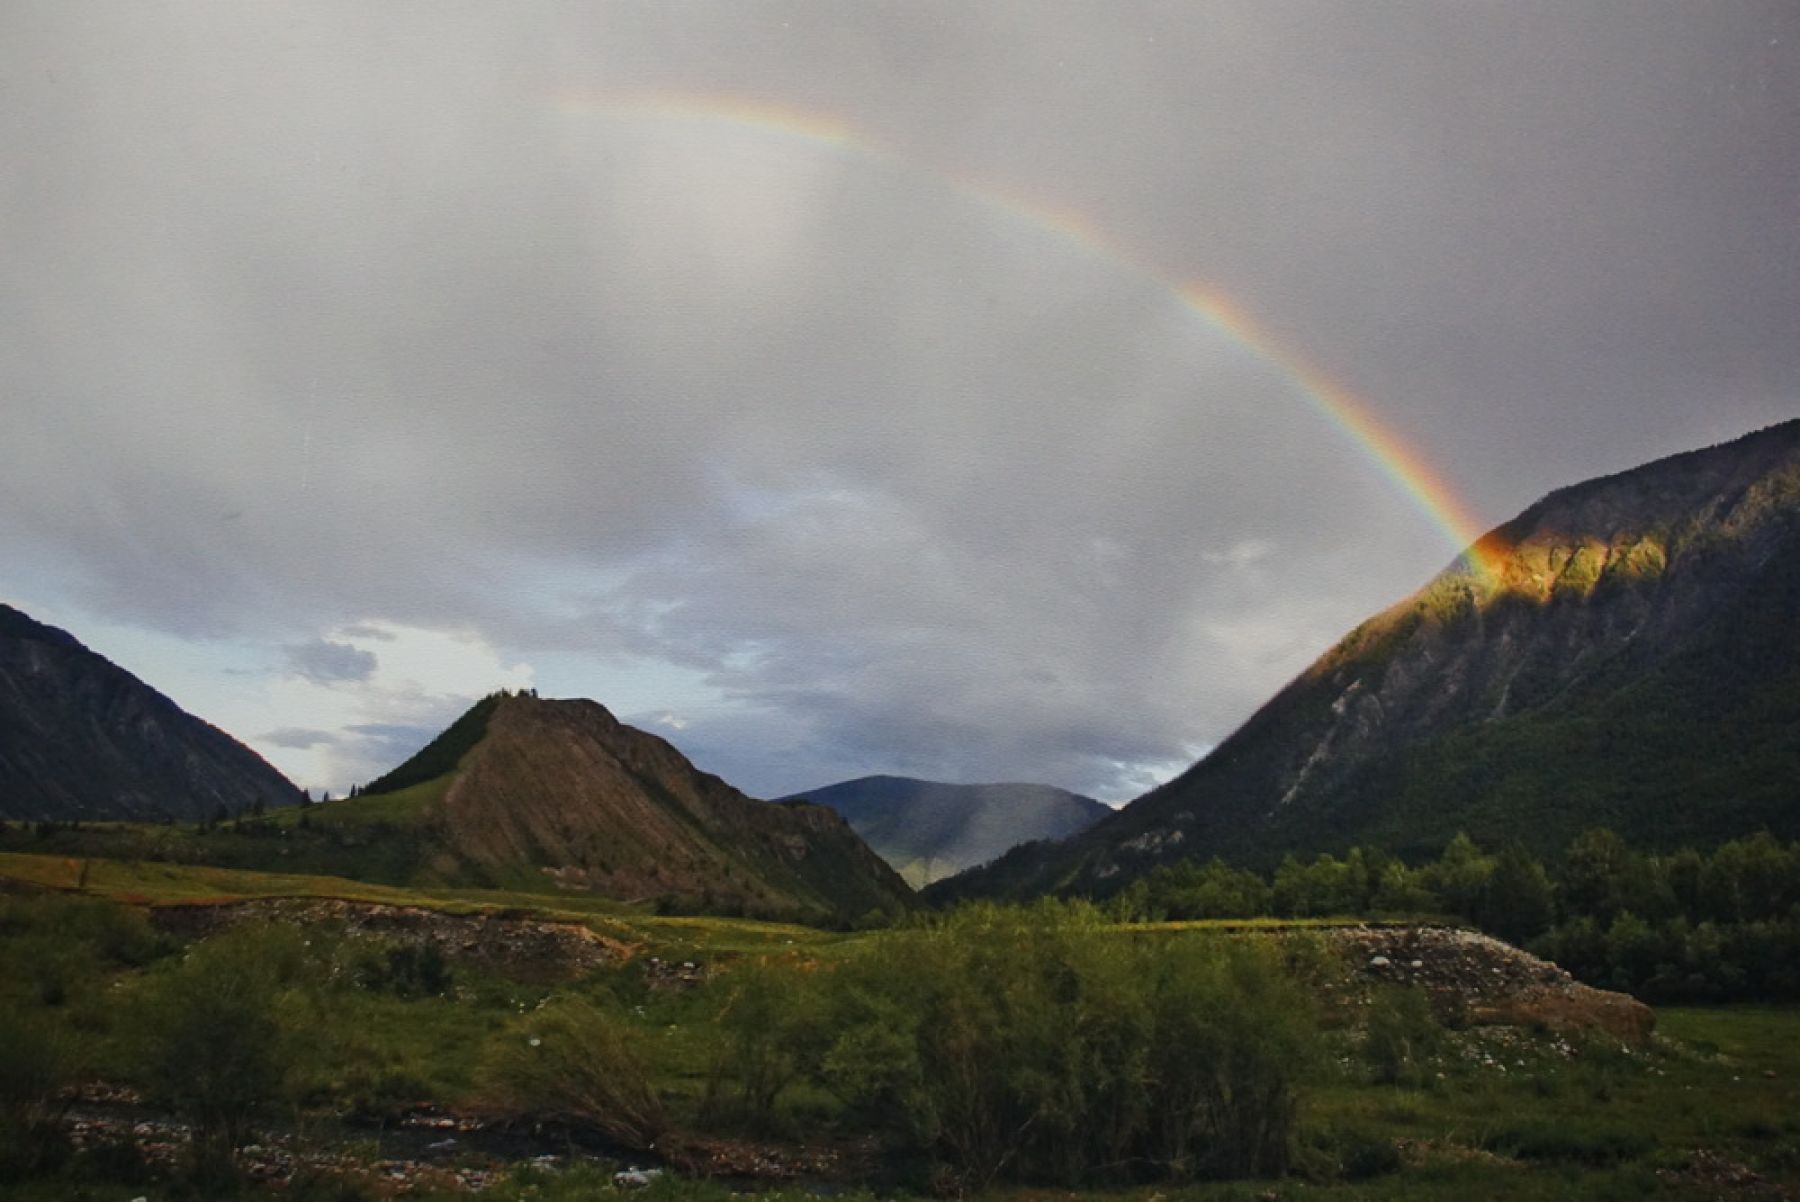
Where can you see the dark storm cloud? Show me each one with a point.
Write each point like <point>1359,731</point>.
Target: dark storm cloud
<point>325,662</point>
<point>340,313</point>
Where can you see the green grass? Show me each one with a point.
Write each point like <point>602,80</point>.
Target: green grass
<point>157,883</point>
<point>1536,1122</point>
<point>1229,925</point>
<point>400,808</point>
<point>1601,1115</point>
<point>152,882</point>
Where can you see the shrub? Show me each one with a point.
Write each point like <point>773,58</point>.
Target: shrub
<point>1570,1142</point>
<point>118,935</point>
<point>1401,1036</point>
<point>1234,1037</point>
<point>769,1026</point>
<point>211,1045</point>
<point>403,969</point>
<point>1350,1154</point>
<point>574,1063</point>
<point>62,945</point>
<point>35,1066</point>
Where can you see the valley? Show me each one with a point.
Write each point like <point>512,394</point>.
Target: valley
<point>408,1017</point>
<point>1498,899</point>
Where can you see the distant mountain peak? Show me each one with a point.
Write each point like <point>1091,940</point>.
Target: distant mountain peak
<point>929,830</point>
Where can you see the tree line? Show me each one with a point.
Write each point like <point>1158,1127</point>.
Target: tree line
<point>1687,925</point>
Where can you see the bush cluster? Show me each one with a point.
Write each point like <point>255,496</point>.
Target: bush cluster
<point>1038,1046</point>
<point>992,1044</point>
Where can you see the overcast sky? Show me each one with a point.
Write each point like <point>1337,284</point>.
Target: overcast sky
<point>809,382</point>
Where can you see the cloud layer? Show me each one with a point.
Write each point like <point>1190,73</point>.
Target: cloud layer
<point>562,330</point>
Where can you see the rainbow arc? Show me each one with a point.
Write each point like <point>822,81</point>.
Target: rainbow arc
<point>1362,425</point>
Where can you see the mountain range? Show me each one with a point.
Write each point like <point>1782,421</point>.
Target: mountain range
<point>929,830</point>
<point>1624,653</point>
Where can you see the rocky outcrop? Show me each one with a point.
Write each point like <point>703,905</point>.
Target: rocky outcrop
<point>81,738</point>
<point>1480,980</point>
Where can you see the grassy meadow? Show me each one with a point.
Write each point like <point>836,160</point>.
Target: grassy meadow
<point>1002,1053</point>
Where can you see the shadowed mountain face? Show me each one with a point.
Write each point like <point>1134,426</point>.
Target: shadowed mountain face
<point>1632,660</point>
<point>80,737</point>
<point>563,791</point>
<point>928,830</point>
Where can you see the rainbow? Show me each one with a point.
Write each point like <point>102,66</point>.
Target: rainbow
<point>1405,468</point>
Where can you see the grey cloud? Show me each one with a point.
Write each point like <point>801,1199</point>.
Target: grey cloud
<point>369,749</point>
<point>325,662</point>
<point>459,341</point>
<point>390,730</point>
<point>296,737</point>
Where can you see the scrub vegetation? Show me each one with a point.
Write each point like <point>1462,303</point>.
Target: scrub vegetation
<point>987,1050</point>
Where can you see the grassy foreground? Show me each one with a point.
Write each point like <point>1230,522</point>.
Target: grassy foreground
<point>779,1044</point>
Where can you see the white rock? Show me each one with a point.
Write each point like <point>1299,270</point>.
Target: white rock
<point>635,1178</point>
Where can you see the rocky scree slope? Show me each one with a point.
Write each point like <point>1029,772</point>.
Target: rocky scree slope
<point>1631,659</point>
<point>80,737</point>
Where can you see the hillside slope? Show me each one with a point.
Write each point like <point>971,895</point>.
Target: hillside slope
<point>929,830</point>
<point>1632,659</point>
<point>561,793</point>
<point>80,737</point>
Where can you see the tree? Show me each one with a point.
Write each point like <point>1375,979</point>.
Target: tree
<point>1460,876</point>
<point>1517,902</point>
<point>1593,875</point>
<point>1400,891</point>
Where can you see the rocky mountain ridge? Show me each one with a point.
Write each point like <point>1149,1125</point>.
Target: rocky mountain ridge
<point>81,738</point>
<point>1623,653</point>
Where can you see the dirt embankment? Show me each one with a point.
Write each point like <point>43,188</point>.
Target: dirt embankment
<point>1484,981</point>
<point>519,946</point>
